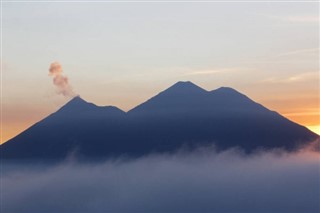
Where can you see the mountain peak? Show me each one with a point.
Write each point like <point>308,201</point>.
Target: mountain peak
<point>185,84</point>
<point>77,99</point>
<point>77,104</point>
<point>182,93</point>
<point>184,87</point>
<point>226,91</point>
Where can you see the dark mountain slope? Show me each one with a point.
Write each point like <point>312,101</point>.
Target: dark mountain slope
<point>188,115</point>
<point>78,127</point>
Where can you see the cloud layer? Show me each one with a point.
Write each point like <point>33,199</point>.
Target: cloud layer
<point>201,181</point>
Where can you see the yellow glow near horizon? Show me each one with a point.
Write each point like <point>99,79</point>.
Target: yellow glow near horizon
<point>315,129</point>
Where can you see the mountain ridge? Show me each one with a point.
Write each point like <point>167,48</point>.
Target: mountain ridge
<point>182,115</point>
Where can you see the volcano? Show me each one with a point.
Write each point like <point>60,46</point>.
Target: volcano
<point>182,116</point>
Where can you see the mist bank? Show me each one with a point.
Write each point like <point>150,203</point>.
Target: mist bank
<point>198,181</point>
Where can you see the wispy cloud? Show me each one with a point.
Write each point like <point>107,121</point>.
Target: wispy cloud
<point>299,52</point>
<point>296,18</point>
<point>212,71</point>
<point>295,56</point>
<point>302,77</point>
<point>301,18</point>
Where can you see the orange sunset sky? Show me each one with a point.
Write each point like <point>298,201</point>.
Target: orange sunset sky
<point>122,54</point>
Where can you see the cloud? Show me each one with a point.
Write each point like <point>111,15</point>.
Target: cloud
<point>213,71</point>
<point>296,18</point>
<point>300,52</point>
<point>308,19</point>
<point>301,77</point>
<point>202,181</point>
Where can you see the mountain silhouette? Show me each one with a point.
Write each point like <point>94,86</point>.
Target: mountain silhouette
<point>182,116</point>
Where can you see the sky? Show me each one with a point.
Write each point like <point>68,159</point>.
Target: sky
<point>123,53</point>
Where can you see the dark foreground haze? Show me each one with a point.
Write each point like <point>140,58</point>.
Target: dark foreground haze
<point>200,181</point>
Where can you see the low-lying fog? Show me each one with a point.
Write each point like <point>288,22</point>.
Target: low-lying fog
<point>201,181</point>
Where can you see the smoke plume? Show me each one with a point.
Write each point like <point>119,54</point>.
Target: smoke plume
<point>60,81</point>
